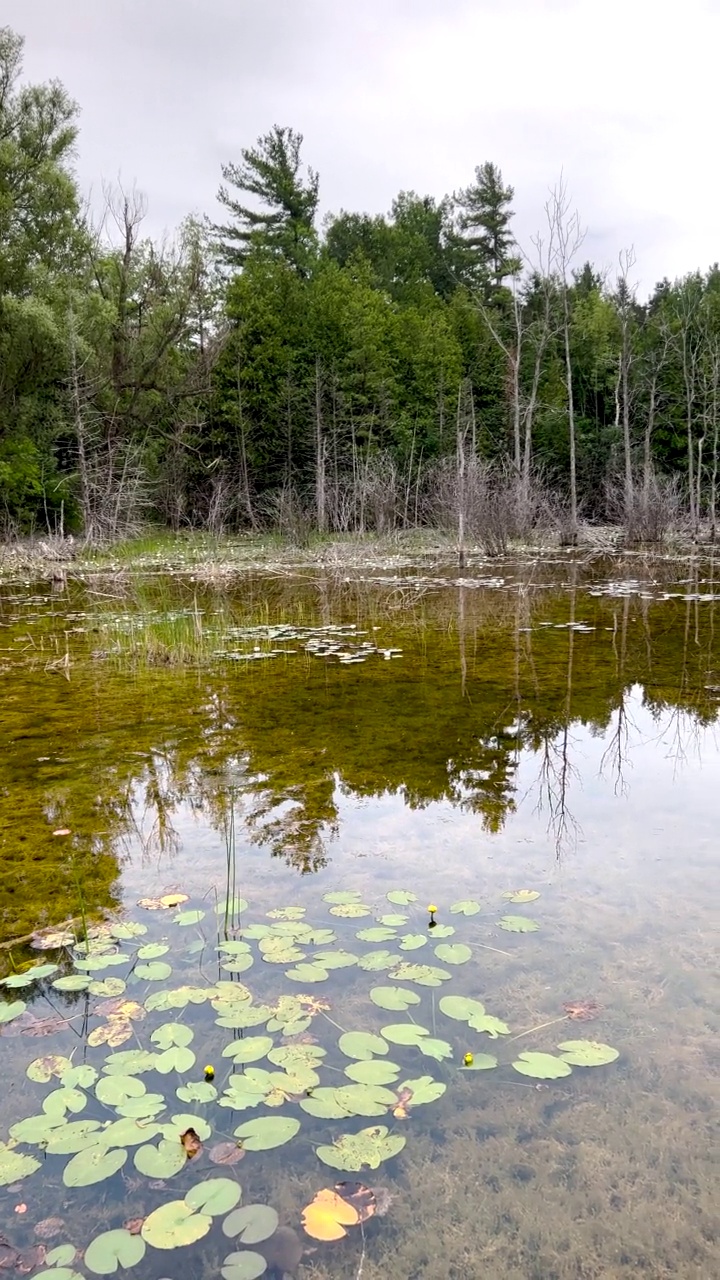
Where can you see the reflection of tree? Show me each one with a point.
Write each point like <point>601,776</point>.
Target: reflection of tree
<point>556,770</point>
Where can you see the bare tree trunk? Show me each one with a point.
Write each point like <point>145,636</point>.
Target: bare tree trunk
<point>319,454</point>
<point>244,471</point>
<point>567,236</point>
<point>461,468</point>
<point>79,420</point>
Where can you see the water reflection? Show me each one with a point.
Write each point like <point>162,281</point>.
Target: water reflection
<point>487,709</point>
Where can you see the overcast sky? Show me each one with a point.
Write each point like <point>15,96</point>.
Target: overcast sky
<point>407,94</point>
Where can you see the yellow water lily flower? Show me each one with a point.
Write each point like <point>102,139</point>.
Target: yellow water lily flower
<point>209,1073</point>
<point>468,1060</point>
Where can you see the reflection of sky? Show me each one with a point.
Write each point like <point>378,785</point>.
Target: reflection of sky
<point>636,839</point>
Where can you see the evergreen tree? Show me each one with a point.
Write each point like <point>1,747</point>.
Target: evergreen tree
<point>284,224</point>
<point>484,222</point>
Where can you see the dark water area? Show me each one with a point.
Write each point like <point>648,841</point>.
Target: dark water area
<point>547,732</point>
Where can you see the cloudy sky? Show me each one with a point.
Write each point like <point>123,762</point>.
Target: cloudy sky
<point>407,94</point>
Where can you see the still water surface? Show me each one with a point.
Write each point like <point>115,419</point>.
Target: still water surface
<point>552,728</point>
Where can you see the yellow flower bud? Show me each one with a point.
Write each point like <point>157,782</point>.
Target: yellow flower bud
<point>432,908</point>
<point>209,1073</point>
<point>468,1060</point>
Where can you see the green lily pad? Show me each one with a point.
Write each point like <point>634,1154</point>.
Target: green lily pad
<point>392,921</point>
<point>267,1132</point>
<point>185,1120</point>
<point>393,998</point>
<point>247,1265</point>
<point>215,1196</point>
<point>107,986</point>
<point>172,1034</point>
<point>241,963</point>
<point>145,1108</point>
<point>112,1090</point>
<point>453,952</point>
<point>373,1071</point>
<point>296,1056</point>
<point>130,1062</point>
<point>197,1091</point>
<point>234,947</point>
<point>174,1224</point>
<point>462,1008</point>
<point>232,906</point>
<point>480,1062</point>
<point>286,913</point>
<point>42,1070</point>
<point>401,897</point>
<point>492,1027</point>
<point>162,1161</point>
<point>71,1138</point>
<point>411,941</point>
<point>518,924</point>
<point>307,973</point>
<point>375,961</point>
<point>60,1101</point>
<point>251,1224</point>
<point>8,1012</point>
<point>152,951</point>
<point>153,971</point>
<point>423,1090</point>
<point>37,1129</point>
<point>61,1256</point>
<point>522,895</point>
<point>335,959</point>
<point>587,1053</point>
<point>365,1099</point>
<point>250,1049</point>
<point>443,931</point>
<point>176,999</point>
<point>83,1076</point>
<point>126,929</point>
<point>72,982</point>
<point>366,1149</point>
<point>341,897</point>
<point>113,1249</point>
<point>361,1044</point>
<point>433,1048</point>
<point>14,1166</point>
<point>324,1104</point>
<point>542,1066</point>
<point>377,933</point>
<point>188,917</point>
<point>129,1132</point>
<point>176,1059</point>
<point>468,907</point>
<point>407,1033</point>
<point>94,963</point>
<point>92,1165</point>
<point>58,1273</point>
<point>350,910</point>
<point>426,975</point>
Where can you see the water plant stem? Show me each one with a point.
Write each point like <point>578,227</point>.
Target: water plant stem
<point>540,1027</point>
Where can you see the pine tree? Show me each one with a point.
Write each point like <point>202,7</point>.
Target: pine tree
<point>284,223</point>
<point>485,225</point>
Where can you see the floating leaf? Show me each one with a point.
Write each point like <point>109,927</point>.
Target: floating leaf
<point>130,1062</point>
<point>73,982</point>
<point>393,998</point>
<point>153,971</point>
<point>197,1091</point>
<point>42,1070</point>
<point>107,986</point>
<point>174,1224</point>
<point>251,1224</point>
<point>411,941</point>
<point>443,931</point>
<point>115,1089</point>
<point>225,1153</point>
<point>242,963</point>
<point>468,907</point>
<point>113,1249</point>
<point>341,897</point>
<point>176,1059</point>
<point>83,1076</point>
<point>407,1033</point>
<point>152,951</point>
<point>401,897</point>
<point>480,1062</point>
<point>232,906</point>
<point>377,933</point>
<point>177,999</point>
<point>243,1266</point>
<point>374,961</point>
<point>361,1044</point>
<point>453,953</point>
<point>324,1104</point>
<point>172,1034</point>
<point>215,1196</point>
<point>188,917</point>
<point>267,1132</point>
<point>307,973</point>
<point>522,895</point>
<point>286,913</point>
<point>294,1057</point>
<point>327,1217</point>
<point>422,1091</point>
<point>518,924</point>
<point>167,901</point>
<point>126,929</point>
<point>162,1161</point>
<point>433,1048</point>
<point>114,1032</point>
<point>71,1138</point>
<point>13,1166</point>
<point>462,1008</point>
<point>181,1123</point>
<point>13,1010</point>
<point>373,1071</point>
<point>335,959</point>
<point>92,1165</point>
<point>392,921</point>
<point>350,911</point>
<point>61,1256</point>
<point>250,1049</point>
<point>426,975</point>
<point>145,1108</point>
<point>60,1101</point>
<point>368,1148</point>
<point>129,1132</point>
<point>364,1099</point>
<point>542,1066</point>
<point>493,1027</point>
<point>587,1053</point>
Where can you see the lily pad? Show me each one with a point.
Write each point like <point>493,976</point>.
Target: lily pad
<point>307,973</point>
<point>42,1070</point>
<point>267,1132</point>
<point>8,1012</point>
<point>250,1049</point>
<point>113,1090</point>
<point>392,921</point>
<point>407,1033</point>
<point>468,907</point>
<point>153,971</point>
<point>434,1048</point>
<point>411,941</point>
<point>172,1034</point>
<point>401,897</point>
<point>492,1026</point>
<point>587,1053</point>
<point>83,1076</point>
<point>518,924</point>
<point>174,1224</point>
<point>542,1066</point>
<point>361,1044</point>
<point>350,910</point>
<point>522,895</point>
<point>197,1091</point>
<point>153,951</point>
<point>113,1249</point>
<point>422,1090</point>
<point>162,1161</point>
<point>251,1224</point>
<point>462,1008</point>
<point>453,952</point>
<point>426,975</point>
<point>72,982</point>
<point>365,1099</point>
<point>247,1265</point>
<point>188,917</point>
<point>480,1062</point>
<point>335,959</point>
<point>324,1104</point>
<point>14,1166</point>
<point>131,1062</point>
<point>377,933</point>
<point>232,906</point>
<point>92,1165</point>
<point>366,1149</point>
<point>396,999</point>
<point>215,1196</point>
<point>374,1071</point>
<point>179,1058</point>
<point>340,897</point>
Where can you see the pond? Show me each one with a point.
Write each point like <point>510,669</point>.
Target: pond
<point>361,924</point>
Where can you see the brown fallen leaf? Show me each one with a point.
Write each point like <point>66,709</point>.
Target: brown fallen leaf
<point>401,1110</point>
<point>49,1227</point>
<point>8,1257</point>
<point>582,1010</point>
<point>29,1259</point>
<point>361,1198</point>
<point>167,901</point>
<point>191,1143</point>
<point>226,1153</point>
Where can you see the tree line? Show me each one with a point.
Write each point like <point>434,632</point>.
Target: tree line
<point>264,369</point>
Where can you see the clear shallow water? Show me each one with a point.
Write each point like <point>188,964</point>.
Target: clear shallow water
<point>552,729</point>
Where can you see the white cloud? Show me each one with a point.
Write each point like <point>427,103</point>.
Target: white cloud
<point>407,93</point>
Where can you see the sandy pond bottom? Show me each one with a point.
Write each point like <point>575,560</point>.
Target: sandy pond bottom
<point>541,765</point>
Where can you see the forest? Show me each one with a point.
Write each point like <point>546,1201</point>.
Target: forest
<point>266,368</point>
